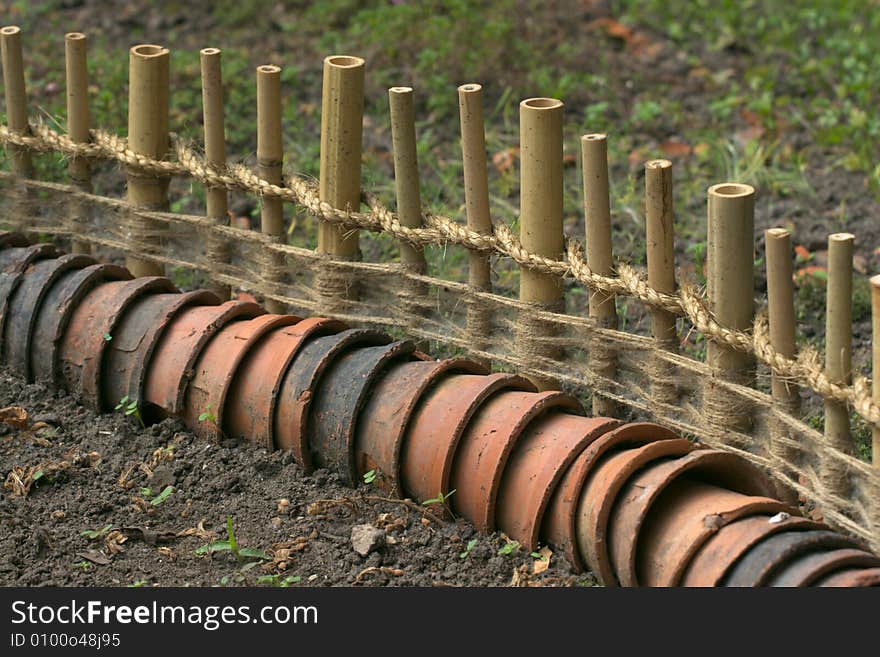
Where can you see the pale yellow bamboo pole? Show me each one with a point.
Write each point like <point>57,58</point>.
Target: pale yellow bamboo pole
<point>731,267</point>
<point>406,171</point>
<point>78,124</point>
<point>148,100</point>
<point>342,109</point>
<point>16,97</point>
<point>597,215</point>
<point>270,154</point>
<point>476,198</point>
<point>875,366</point>
<point>660,253</point>
<point>540,227</point>
<point>838,356</point>
<point>217,198</point>
<point>780,310</point>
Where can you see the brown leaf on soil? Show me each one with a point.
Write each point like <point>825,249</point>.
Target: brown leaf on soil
<point>396,572</point>
<point>94,556</point>
<point>199,531</point>
<point>114,540</point>
<point>14,416</point>
<point>542,564</point>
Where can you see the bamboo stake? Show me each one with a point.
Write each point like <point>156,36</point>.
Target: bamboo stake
<point>541,232</point>
<point>732,282</point>
<point>78,124</point>
<point>342,109</point>
<point>217,206</point>
<point>476,198</point>
<point>875,364</point>
<point>406,171</point>
<point>660,252</point>
<point>270,154</point>
<point>148,135</point>
<point>16,97</point>
<point>780,308</point>
<point>597,214</point>
<point>838,354</point>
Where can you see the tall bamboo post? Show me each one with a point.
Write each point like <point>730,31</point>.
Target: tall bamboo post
<point>780,309</point>
<point>660,237</point>
<point>731,210</point>
<point>406,171</point>
<point>16,113</point>
<point>875,366</point>
<point>270,153</point>
<point>78,124</point>
<point>476,198</point>
<point>541,232</point>
<point>342,109</point>
<point>838,356</point>
<point>148,100</point>
<point>597,215</point>
<point>217,205</point>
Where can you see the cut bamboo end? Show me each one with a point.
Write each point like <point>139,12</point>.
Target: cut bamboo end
<point>597,215</point>
<point>875,364</point>
<point>406,169</point>
<point>780,306</point>
<point>541,195</point>
<point>660,233</point>
<point>476,180</point>
<point>16,96</point>
<point>342,108</point>
<point>78,122</point>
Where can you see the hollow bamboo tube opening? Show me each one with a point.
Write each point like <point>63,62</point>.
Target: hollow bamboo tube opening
<point>406,170</point>
<point>660,232</point>
<point>731,282</point>
<point>78,123</point>
<point>838,350</point>
<point>342,108</point>
<point>541,232</point>
<point>597,215</point>
<point>270,154</point>
<point>16,97</point>
<point>217,198</point>
<point>875,364</point>
<point>148,100</point>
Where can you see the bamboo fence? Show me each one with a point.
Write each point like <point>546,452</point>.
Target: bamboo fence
<point>719,401</point>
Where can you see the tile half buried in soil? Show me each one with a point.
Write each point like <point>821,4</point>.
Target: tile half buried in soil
<point>487,442</point>
<point>135,338</point>
<point>437,425</point>
<point>91,327</point>
<point>171,365</point>
<point>336,404</point>
<point>249,413</point>
<point>381,428</point>
<point>301,384</point>
<point>600,492</point>
<point>57,308</point>
<point>216,366</point>
<point>24,308</point>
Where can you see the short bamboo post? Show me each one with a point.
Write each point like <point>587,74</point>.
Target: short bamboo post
<point>780,309</point>
<point>838,357</point>
<point>875,367</point>
<point>148,99</point>
<point>476,198</point>
<point>78,124</point>
<point>16,113</point>
<point>270,154</point>
<point>660,234</point>
<point>731,210</point>
<point>342,109</point>
<point>541,232</point>
<point>217,206</point>
<point>409,200</point>
<point>597,214</point>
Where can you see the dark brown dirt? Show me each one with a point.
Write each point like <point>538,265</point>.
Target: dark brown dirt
<point>104,461</point>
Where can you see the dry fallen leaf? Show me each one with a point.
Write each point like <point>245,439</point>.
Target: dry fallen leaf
<point>542,564</point>
<point>14,416</point>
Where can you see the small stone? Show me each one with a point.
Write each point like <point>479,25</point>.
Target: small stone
<point>275,522</point>
<point>366,539</point>
<point>283,505</point>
